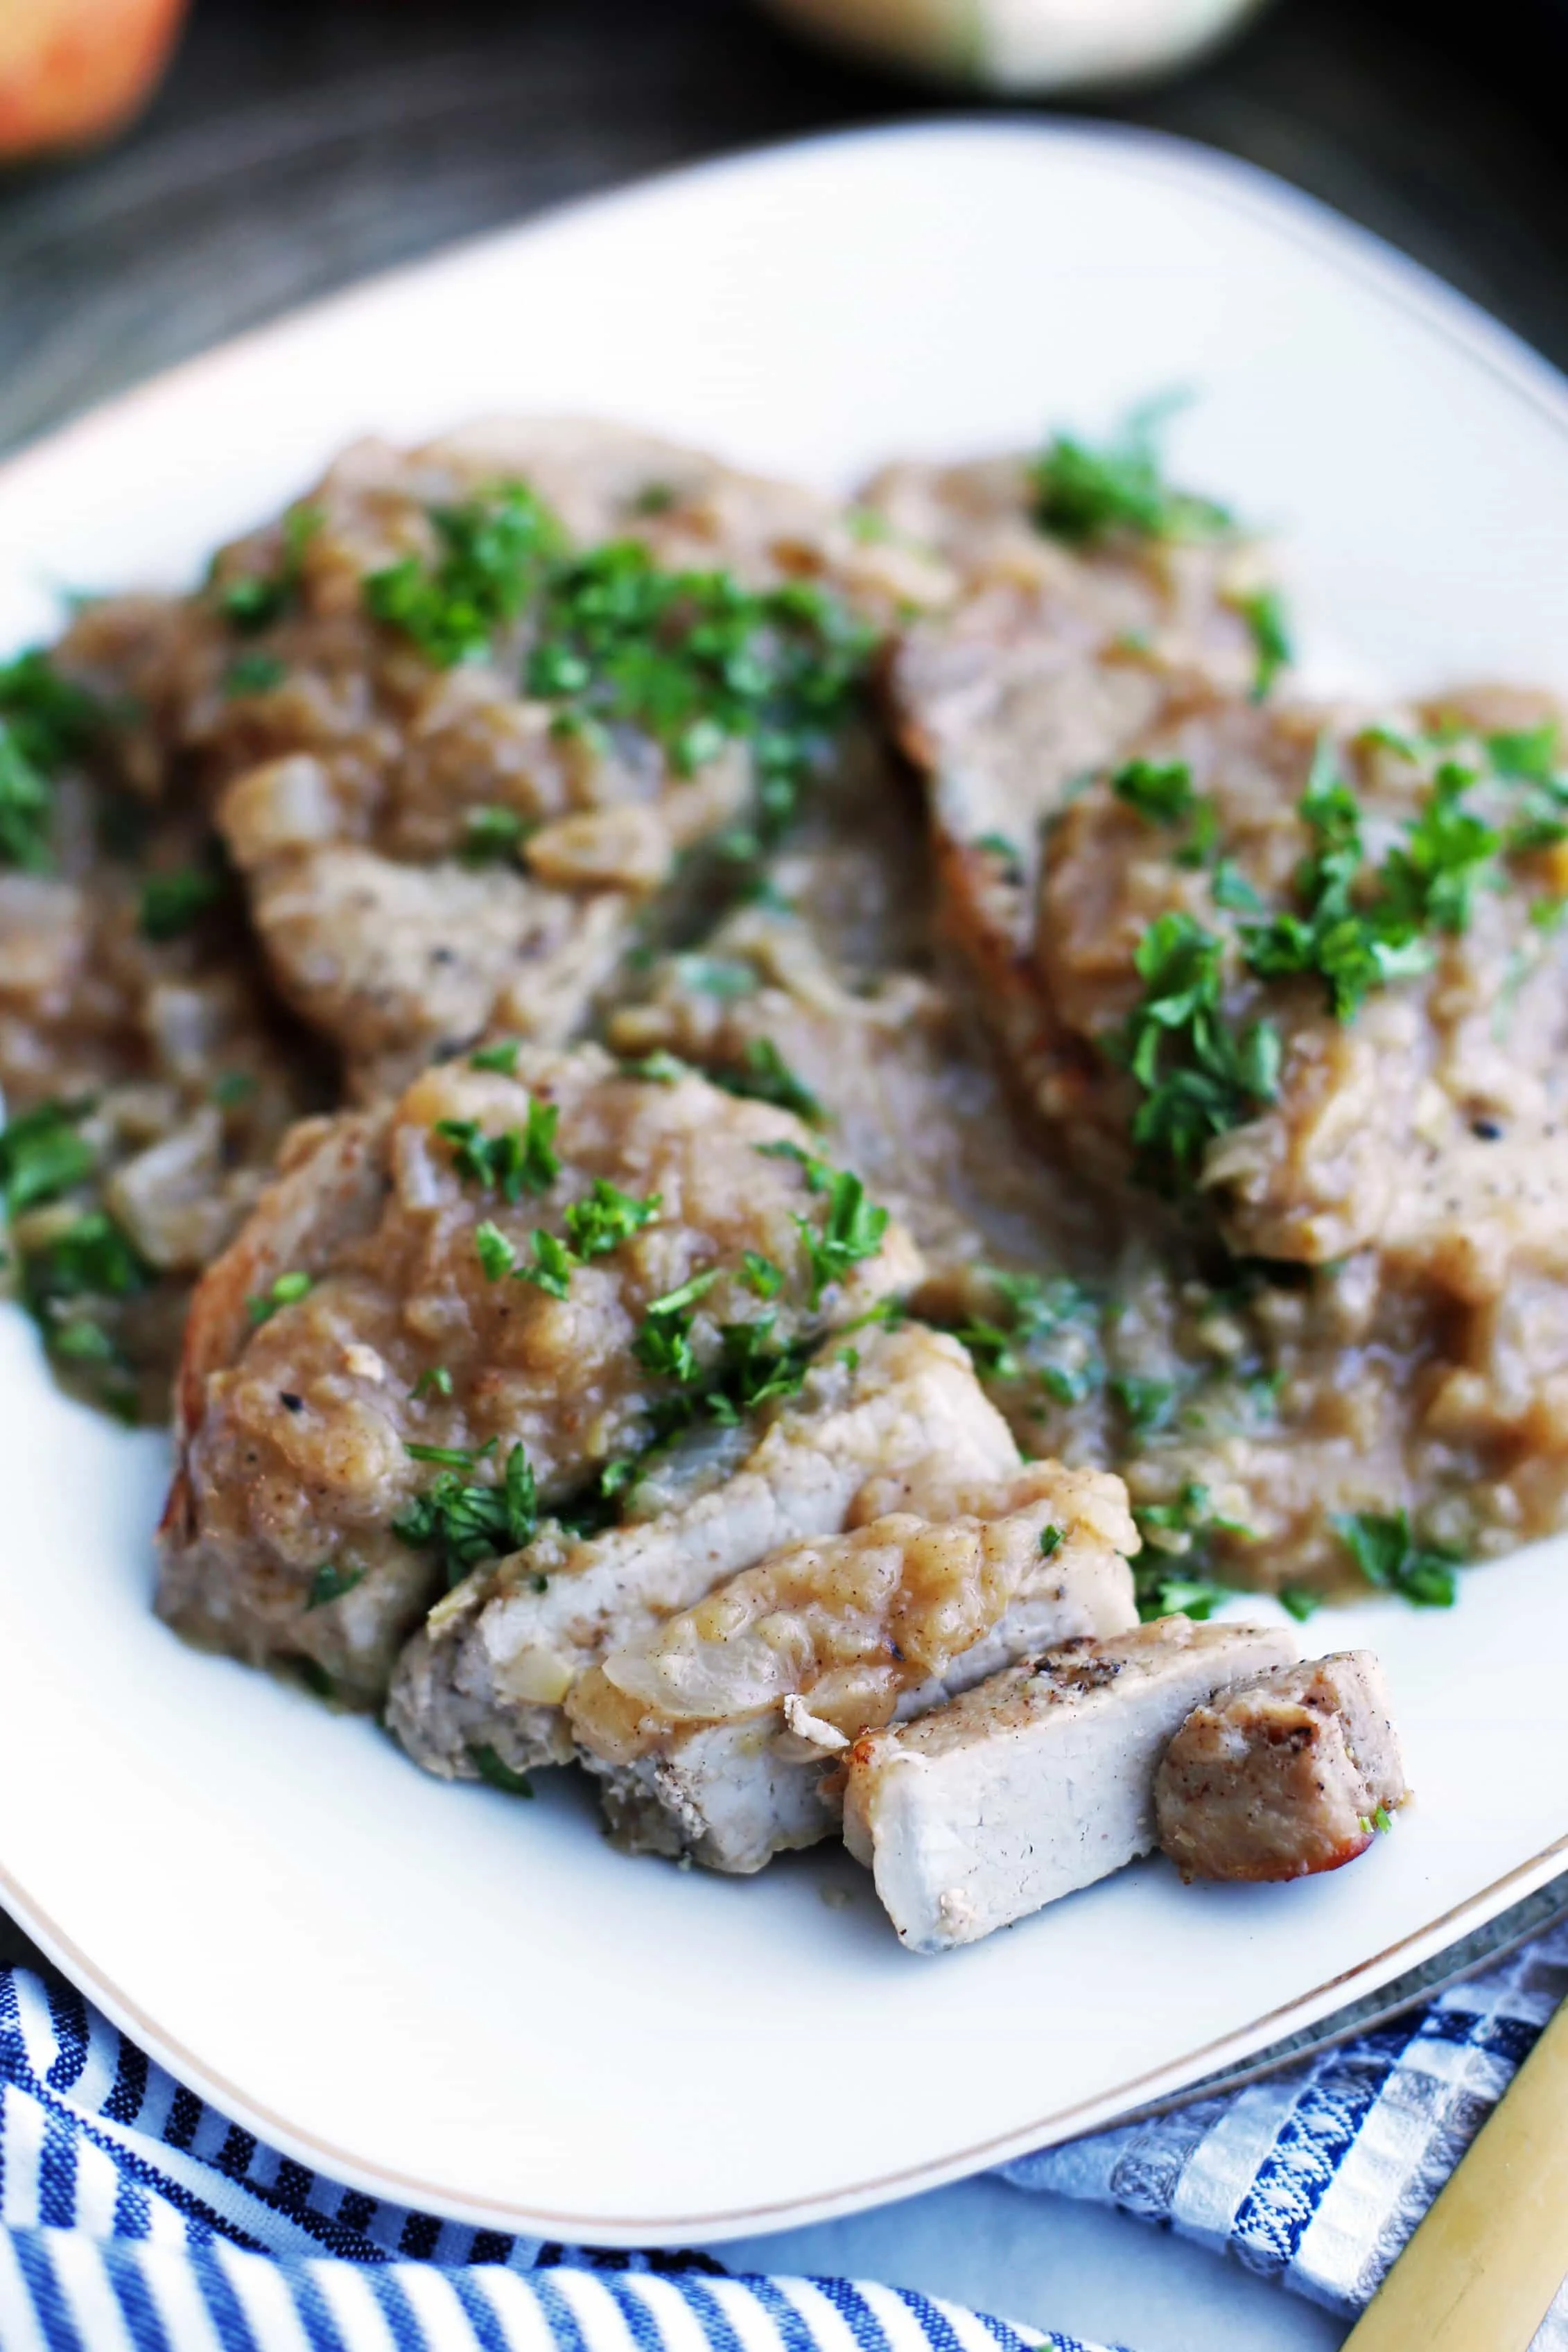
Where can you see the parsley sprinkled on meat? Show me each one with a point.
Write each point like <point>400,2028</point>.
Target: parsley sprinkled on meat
<point>1197,1074</point>
<point>492,552</point>
<point>1391,1557</point>
<point>465,1523</point>
<point>1086,494</point>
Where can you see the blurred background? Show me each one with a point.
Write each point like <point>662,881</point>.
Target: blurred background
<point>171,178</point>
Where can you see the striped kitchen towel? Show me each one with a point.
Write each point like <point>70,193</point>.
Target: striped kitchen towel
<point>1318,2175</point>
<point>136,2219</point>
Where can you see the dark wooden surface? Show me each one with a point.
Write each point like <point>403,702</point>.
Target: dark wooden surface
<point>300,143</point>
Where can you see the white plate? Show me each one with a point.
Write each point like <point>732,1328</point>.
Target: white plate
<point>475,2005</point>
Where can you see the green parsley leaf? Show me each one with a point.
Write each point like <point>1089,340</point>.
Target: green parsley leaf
<point>552,1269</point>
<point>42,1155</point>
<point>434,1380</point>
<point>1299,1603</point>
<point>492,1768</point>
<point>1160,789</point>
<point>1391,1558</point>
<point>44,723</point>
<point>766,1076</point>
<point>663,1344</point>
<point>851,1231</point>
<point>722,976</point>
<point>1084,495</point>
<point>493,553</point>
<point>1008,854</point>
<point>252,600</point>
<point>1051,1540</point>
<point>490,833</point>
<point>1264,613</point>
<point>495,1254</point>
<point>760,1274</point>
<point>92,1258</point>
<point>285,1291</point>
<point>232,1088</point>
<point>171,904</point>
<point>330,1583</point>
<point>501,1058</point>
<point>1198,1076</point>
<point>466,1523</point>
<point>658,1068</point>
<point>519,1159</point>
<point>254,674</point>
<point>1148,1404</point>
<point>607,1218</point>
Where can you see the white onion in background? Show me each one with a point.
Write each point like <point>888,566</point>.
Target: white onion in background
<point>1023,44</point>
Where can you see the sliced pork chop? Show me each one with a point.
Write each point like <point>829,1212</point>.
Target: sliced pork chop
<point>491,1668</point>
<point>454,1309</point>
<point>462,709</point>
<point>1283,1775</point>
<point>1039,1781</point>
<point>712,1731</point>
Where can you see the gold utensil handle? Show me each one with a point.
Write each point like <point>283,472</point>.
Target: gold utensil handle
<point>1482,2268</point>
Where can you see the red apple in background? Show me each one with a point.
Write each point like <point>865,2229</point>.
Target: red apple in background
<point>73,70</point>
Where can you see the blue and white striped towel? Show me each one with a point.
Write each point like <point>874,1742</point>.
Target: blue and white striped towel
<point>136,2219</point>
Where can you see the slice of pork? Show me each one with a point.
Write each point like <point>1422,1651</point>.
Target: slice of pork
<point>1039,1781</point>
<point>1283,1775</point>
<point>717,1735</point>
<point>496,1660</point>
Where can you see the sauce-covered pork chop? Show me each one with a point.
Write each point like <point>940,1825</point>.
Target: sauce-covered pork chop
<point>458,1310</point>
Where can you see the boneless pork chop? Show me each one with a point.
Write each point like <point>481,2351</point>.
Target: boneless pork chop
<point>1282,1775</point>
<point>712,1731</point>
<point>500,1656</point>
<point>1039,1781</point>
<point>461,1307</point>
<point>461,711</point>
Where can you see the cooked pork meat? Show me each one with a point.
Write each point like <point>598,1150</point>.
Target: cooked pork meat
<point>146,1079</point>
<point>1037,1782</point>
<point>524,1279</point>
<point>490,1669</point>
<point>464,709</point>
<point>712,1731</point>
<point>1282,1775</point>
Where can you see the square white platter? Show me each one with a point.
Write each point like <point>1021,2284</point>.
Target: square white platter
<point>474,2005</point>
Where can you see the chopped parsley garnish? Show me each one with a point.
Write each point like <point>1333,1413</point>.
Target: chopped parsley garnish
<point>552,1269</point>
<point>493,554</point>
<point>851,1231</point>
<point>1160,789</point>
<point>465,1523</point>
<point>496,1254</point>
<point>765,1077</point>
<point>1393,1558</point>
<point>1044,1329</point>
<point>699,661</point>
<point>1358,931</point>
<point>1298,1602</point>
<point>722,976</point>
<point>1264,613</point>
<point>1198,1075</point>
<point>1051,1540</point>
<point>434,1380</point>
<point>92,1258</point>
<point>42,1155</point>
<point>1149,1404</point>
<point>607,1218</point>
<point>500,1774</point>
<point>663,1344</point>
<point>501,1058</point>
<point>286,1290</point>
<point>760,1274</point>
<point>1085,495</point>
<point>171,904</point>
<point>520,1159</point>
<point>252,600</point>
<point>232,1088</point>
<point>1173,1572</point>
<point>658,1068</point>
<point>490,833</point>
<point>1008,853</point>
<point>45,722</point>
<point>330,1583</point>
<point>254,674</point>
